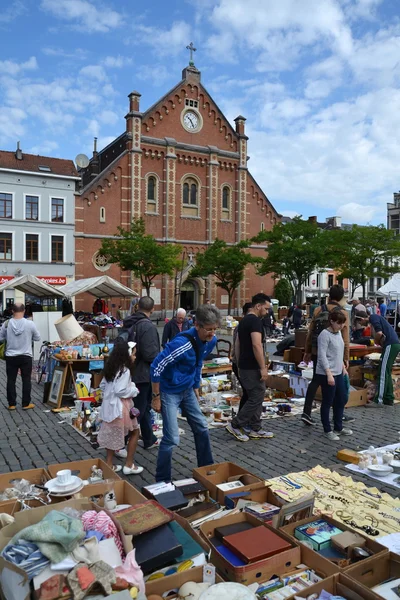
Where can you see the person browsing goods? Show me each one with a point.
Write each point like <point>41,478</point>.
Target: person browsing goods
<point>176,325</point>
<point>176,377</point>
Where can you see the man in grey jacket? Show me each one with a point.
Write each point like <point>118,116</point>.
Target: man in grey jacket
<point>19,334</point>
<point>144,332</point>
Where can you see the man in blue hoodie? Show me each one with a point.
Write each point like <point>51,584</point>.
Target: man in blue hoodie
<point>19,334</point>
<point>176,376</point>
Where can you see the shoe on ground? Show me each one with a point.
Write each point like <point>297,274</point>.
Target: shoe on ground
<point>374,404</point>
<point>347,419</point>
<point>28,406</point>
<point>239,435</point>
<point>307,419</point>
<point>344,432</point>
<point>11,407</point>
<point>331,435</point>
<point>155,445</point>
<point>121,453</point>
<point>258,435</point>
<point>117,468</point>
<point>135,470</point>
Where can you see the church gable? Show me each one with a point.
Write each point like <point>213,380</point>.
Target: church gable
<point>189,115</point>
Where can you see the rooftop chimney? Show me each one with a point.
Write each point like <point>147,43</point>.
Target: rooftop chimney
<point>312,219</point>
<point>18,152</point>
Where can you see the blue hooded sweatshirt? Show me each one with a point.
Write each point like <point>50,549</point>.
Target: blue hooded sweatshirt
<point>175,367</point>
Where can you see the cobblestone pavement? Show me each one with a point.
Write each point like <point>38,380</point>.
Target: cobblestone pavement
<point>36,438</point>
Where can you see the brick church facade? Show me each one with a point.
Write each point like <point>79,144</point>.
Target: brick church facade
<point>182,167</point>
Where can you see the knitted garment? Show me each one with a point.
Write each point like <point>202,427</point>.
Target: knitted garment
<point>27,556</point>
<point>56,535</point>
<point>101,522</point>
<point>83,579</point>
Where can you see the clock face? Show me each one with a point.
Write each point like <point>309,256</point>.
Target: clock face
<point>191,120</point>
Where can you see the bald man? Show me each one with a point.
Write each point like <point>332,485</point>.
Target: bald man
<point>176,325</point>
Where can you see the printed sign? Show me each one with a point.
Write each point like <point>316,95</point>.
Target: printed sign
<point>53,280</point>
<point>5,278</point>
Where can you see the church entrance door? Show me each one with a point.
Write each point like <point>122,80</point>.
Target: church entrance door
<point>189,295</point>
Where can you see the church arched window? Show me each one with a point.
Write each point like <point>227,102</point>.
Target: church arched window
<point>151,194</point>
<point>226,202</point>
<point>190,197</point>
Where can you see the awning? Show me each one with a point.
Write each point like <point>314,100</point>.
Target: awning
<point>101,287</point>
<point>29,284</point>
<point>391,287</point>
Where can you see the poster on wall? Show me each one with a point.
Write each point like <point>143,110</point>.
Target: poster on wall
<point>155,293</point>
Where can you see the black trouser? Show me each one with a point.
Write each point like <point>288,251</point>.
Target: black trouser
<point>244,397</point>
<point>312,389</point>
<point>143,403</point>
<point>13,363</point>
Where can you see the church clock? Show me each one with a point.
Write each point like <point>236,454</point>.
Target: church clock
<point>191,121</point>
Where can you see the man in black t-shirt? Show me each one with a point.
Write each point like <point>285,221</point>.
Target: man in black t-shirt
<point>253,371</point>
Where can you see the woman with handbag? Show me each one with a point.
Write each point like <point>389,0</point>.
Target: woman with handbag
<point>118,414</point>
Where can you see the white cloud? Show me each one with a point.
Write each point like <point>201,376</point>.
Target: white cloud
<point>167,42</point>
<point>156,74</point>
<point>93,72</point>
<point>117,62</point>
<point>357,213</point>
<point>44,148</point>
<point>10,67</point>
<point>109,117</point>
<point>290,213</point>
<point>85,16</point>
<point>12,11</point>
<point>77,54</point>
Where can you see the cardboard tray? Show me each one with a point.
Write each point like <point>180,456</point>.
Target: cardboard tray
<point>174,582</point>
<point>377,549</point>
<point>357,397</point>
<point>257,571</point>
<point>11,507</point>
<point>125,493</point>
<point>340,585</point>
<point>39,476</point>
<point>372,573</point>
<point>83,467</point>
<point>212,475</point>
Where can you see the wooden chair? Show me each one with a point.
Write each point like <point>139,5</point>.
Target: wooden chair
<point>224,348</point>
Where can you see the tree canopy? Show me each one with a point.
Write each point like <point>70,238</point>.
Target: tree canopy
<point>283,292</point>
<point>134,250</point>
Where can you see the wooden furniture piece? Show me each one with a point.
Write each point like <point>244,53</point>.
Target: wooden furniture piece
<point>224,348</point>
<point>359,351</point>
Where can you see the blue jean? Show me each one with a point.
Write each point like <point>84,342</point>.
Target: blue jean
<point>188,403</point>
<point>332,395</point>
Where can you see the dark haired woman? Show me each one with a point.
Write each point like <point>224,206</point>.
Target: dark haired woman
<point>116,409</point>
<point>331,371</point>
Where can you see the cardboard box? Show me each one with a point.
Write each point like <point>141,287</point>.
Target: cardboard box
<point>370,544</point>
<point>300,336</point>
<point>319,538</point>
<point>38,476</point>
<point>83,468</point>
<point>212,475</point>
<point>340,585</point>
<point>374,572</point>
<point>13,580</point>
<point>264,494</point>
<point>257,571</point>
<point>125,493</point>
<point>11,507</point>
<point>174,582</point>
<point>356,376</point>
<point>275,382</point>
<point>357,397</point>
<point>299,385</point>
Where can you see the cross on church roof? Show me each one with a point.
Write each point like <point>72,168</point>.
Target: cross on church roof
<point>192,49</point>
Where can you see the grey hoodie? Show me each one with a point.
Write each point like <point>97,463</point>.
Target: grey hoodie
<point>19,333</point>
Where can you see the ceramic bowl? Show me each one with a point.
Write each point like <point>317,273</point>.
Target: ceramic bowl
<point>395,464</point>
<point>380,470</point>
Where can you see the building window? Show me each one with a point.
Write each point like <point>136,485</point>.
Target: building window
<point>5,206</point>
<point>395,223</point>
<point>262,226</point>
<point>378,282</point>
<point>226,202</point>
<point>57,248</point>
<point>192,103</point>
<point>100,262</point>
<point>190,197</point>
<point>32,247</point>
<point>32,208</point>
<point>102,214</point>
<point>152,194</point>
<point>318,280</point>
<point>371,284</point>
<point>57,210</point>
<point>330,281</point>
<point>5,246</point>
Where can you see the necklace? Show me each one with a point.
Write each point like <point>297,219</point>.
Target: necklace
<point>387,516</point>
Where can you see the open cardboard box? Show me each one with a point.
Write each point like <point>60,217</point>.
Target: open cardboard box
<point>376,571</point>
<point>83,468</point>
<point>264,494</point>
<point>373,546</point>
<point>14,506</point>
<point>357,397</point>
<point>276,382</point>
<point>340,585</point>
<point>258,571</point>
<point>212,475</point>
<point>14,582</point>
<point>174,582</point>
<point>125,493</point>
<point>37,476</point>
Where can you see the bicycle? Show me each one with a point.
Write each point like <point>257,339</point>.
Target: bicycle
<point>45,355</point>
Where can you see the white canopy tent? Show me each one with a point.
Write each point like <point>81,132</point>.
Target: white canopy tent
<point>29,284</point>
<point>391,287</point>
<point>101,287</point>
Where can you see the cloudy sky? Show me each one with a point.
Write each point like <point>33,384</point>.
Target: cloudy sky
<point>318,80</point>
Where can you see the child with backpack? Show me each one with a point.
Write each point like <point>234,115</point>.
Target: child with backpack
<point>117,412</point>
<point>330,374</point>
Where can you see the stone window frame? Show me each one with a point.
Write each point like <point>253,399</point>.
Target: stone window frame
<point>226,214</point>
<point>191,211</point>
<point>102,216</point>
<point>152,202</point>
<point>97,262</point>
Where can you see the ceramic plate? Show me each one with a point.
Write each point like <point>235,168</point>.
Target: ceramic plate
<point>380,470</point>
<point>228,591</point>
<point>54,486</point>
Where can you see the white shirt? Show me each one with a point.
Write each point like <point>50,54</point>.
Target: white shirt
<point>113,391</point>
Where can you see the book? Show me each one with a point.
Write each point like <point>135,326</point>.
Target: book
<point>142,517</point>
<point>256,544</point>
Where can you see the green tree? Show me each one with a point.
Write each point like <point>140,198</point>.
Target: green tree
<point>363,252</point>
<point>226,263</point>
<point>283,292</point>
<point>133,250</point>
<point>294,251</point>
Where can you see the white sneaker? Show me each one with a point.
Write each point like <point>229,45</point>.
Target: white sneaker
<point>331,435</point>
<point>117,468</point>
<point>344,432</point>
<point>135,470</point>
<point>121,453</point>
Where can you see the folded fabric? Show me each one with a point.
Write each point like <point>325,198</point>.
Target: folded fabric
<point>65,565</point>
<point>56,535</point>
<point>54,588</point>
<point>100,521</point>
<point>27,556</point>
<point>83,579</point>
<point>93,533</point>
<point>131,572</point>
<point>88,552</point>
<point>5,519</point>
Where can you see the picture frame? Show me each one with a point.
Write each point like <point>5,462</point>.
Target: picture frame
<point>294,511</point>
<point>57,386</point>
